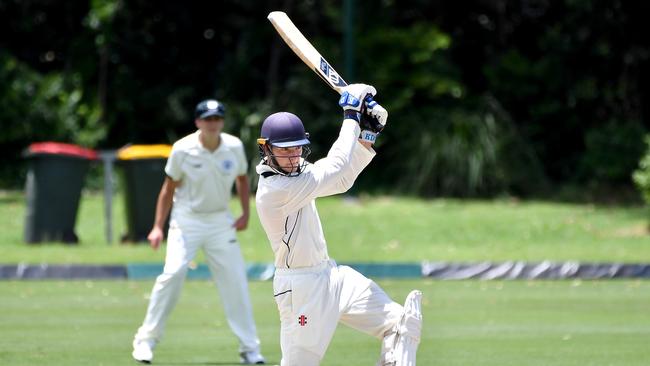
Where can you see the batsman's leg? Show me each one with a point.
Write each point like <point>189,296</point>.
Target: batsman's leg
<point>400,344</point>
<point>308,303</point>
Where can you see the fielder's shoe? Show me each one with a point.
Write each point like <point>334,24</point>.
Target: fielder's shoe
<point>252,358</point>
<point>142,351</point>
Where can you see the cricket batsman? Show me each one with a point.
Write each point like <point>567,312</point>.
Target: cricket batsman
<point>313,294</point>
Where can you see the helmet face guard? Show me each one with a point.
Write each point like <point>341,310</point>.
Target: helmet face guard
<point>283,130</point>
<point>291,170</point>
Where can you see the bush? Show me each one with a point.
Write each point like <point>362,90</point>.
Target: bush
<point>642,175</point>
<point>38,107</point>
<point>612,151</point>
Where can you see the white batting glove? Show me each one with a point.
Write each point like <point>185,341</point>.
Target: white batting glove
<point>353,96</point>
<point>377,111</point>
<point>373,120</point>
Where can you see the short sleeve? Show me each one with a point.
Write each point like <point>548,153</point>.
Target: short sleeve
<point>173,166</point>
<point>242,162</point>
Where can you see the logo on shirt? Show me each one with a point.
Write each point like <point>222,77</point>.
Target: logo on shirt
<point>227,165</point>
<point>302,320</point>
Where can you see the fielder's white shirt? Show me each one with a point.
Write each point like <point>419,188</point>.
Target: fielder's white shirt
<point>286,205</point>
<point>206,176</point>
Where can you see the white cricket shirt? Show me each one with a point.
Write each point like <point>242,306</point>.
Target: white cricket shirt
<point>206,176</point>
<point>286,205</point>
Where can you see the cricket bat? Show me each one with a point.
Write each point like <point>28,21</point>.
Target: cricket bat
<point>304,49</point>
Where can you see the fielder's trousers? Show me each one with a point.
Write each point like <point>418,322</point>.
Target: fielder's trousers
<point>216,236</point>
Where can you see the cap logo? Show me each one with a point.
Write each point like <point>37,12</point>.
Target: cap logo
<point>212,104</point>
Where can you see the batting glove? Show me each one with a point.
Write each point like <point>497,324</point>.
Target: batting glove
<point>352,99</point>
<point>377,112</point>
<point>372,121</point>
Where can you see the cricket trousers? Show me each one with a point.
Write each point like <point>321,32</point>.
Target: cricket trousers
<point>216,236</point>
<point>311,301</point>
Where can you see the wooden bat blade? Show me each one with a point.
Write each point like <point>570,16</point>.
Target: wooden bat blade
<point>305,50</point>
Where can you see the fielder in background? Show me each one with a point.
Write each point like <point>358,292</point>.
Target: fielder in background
<point>312,293</point>
<point>200,172</point>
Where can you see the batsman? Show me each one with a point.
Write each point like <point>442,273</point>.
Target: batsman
<point>313,294</point>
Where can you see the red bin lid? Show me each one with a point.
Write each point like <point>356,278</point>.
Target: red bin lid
<point>58,148</point>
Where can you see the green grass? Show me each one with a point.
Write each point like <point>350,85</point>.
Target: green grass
<point>500,323</point>
<point>383,229</point>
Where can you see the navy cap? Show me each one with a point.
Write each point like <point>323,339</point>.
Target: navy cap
<point>208,108</point>
<point>284,129</point>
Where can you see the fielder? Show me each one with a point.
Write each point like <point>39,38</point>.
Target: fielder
<point>200,172</point>
<point>312,293</point>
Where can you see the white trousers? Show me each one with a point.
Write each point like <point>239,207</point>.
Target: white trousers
<point>312,301</point>
<point>216,236</point>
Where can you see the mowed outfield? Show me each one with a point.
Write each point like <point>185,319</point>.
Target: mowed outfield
<point>466,322</point>
<point>485,323</point>
<point>381,229</point>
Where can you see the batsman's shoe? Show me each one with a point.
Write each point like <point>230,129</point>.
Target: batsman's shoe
<point>142,351</point>
<point>252,358</point>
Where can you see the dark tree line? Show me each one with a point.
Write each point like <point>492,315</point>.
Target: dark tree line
<point>485,97</point>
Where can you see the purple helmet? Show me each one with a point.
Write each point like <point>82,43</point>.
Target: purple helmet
<point>284,129</point>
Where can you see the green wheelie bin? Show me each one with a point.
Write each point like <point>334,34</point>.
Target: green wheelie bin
<point>55,177</point>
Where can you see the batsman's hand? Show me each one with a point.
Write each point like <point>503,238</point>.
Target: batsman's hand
<point>155,237</point>
<point>373,120</point>
<point>376,112</point>
<point>353,96</point>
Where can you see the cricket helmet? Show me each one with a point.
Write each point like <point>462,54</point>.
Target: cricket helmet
<point>283,129</point>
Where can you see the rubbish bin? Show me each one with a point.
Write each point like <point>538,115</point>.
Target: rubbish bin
<point>143,172</point>
<point>55,176</point>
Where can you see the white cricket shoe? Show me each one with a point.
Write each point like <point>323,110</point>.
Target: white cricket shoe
<point>252,358</point>
<point>142,351</point>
